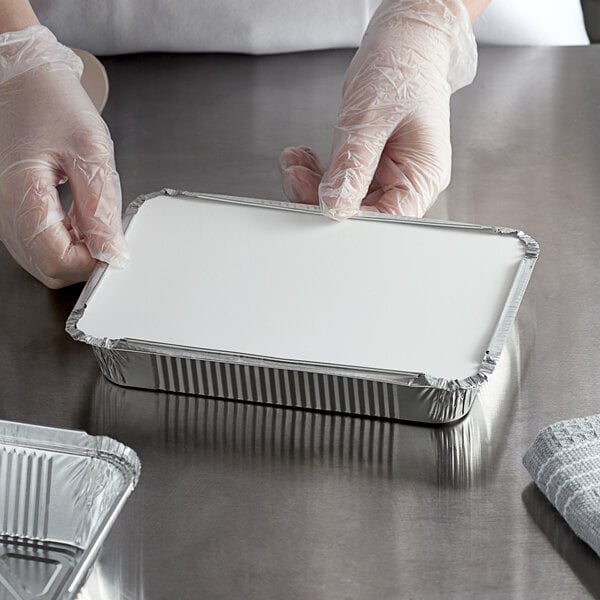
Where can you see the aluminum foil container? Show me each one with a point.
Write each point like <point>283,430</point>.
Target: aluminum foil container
<point>268,302</point>
<point>459,455</point>
<point>60,493</point>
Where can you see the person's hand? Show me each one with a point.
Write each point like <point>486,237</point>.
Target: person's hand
<point>391,148</point>
<point>50,132</point>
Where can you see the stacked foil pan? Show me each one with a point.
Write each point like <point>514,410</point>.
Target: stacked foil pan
<point>60,492</point>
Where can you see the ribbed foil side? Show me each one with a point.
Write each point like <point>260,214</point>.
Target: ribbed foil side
<point>25,484</point>
<point>284,387</point>
<point>60,492</point>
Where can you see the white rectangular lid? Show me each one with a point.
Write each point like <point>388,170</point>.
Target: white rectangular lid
<point>297,286</point>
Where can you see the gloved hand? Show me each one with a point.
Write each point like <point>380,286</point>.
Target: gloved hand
<point>50,132</point>
<point>391,148</point>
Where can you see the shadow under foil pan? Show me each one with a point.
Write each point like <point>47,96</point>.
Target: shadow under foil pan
<point>60,492</point>
<point>460,455</point>
<point>269,302</point>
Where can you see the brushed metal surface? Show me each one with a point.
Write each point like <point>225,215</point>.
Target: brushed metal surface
<point>239,503</point>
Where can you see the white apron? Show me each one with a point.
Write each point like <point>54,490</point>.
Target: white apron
<point>271,26</point>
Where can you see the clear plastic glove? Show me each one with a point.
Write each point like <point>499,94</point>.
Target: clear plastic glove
<point>391,148</point>
<point>50,132</point>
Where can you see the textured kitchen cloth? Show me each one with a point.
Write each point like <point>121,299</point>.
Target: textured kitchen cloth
<point>564,461</point>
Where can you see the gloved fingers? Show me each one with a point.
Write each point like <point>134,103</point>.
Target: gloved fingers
<point>404,202</point>
<point>420,144</point>
<point>407,187</point>
<point>355,156</point>
<point>303,156</point>
<point>301,185</point>
<point>96,210</point>
<point>410,195</point>
<point>30,198</point>
<point>37,236</point>
<point>301,173</point>
<point>415,165</point>
<point>52,132</point>
<point>57,260</point>
<point>401,198</point>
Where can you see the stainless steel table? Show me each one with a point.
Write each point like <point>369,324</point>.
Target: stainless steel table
<point>240,501</point>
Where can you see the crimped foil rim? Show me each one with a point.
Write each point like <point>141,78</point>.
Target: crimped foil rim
<point>487,365</point>
<point>79,443</point>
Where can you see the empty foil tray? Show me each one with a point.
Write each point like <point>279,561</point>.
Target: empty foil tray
<point>270,302</point>
<point>60,492</point>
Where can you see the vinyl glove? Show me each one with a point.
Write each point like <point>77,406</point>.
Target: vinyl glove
<point>391,147</point>
<point>50,132</point>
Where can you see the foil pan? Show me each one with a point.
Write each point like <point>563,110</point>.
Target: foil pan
<point>60,493</point>
<point>460,455</point>
<point>305,382</point>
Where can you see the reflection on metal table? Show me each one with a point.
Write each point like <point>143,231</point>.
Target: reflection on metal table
<point>248,501</point>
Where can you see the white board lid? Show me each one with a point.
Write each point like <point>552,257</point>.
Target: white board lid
<point>293,285</point>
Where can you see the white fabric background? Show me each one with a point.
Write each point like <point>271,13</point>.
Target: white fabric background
<point>532,23</point>
<point>250,26</point>
<point>269,26</point>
